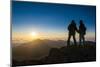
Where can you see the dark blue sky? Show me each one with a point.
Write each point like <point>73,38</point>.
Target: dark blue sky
<point>44,17</point>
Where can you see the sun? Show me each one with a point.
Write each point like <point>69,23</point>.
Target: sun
<point>34,34</point>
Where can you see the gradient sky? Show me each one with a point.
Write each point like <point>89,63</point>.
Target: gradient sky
<point>50,19</point>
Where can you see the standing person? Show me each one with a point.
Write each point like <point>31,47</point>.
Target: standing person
<point>82,32</point>
<point>72,31</point>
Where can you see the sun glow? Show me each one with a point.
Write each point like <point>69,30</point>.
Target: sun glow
<point>33,34</point>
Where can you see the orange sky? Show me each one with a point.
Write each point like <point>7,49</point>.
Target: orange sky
<point>53,36</point>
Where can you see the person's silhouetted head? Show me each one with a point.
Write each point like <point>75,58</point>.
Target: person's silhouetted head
<point>73,22</point>
<point>81,21</point>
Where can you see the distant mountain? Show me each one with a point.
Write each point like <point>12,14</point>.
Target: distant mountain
<point>49,51</point>
<point>35,49</point>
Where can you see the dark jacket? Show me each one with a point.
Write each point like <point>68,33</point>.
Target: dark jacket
<point>82,29</point>
<point>72,29</point>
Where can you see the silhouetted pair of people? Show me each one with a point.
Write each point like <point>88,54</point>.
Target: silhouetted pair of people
<point>72,28</point>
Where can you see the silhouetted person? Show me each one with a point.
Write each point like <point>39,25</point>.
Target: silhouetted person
<point>82,32</point>
<point>72,31</point>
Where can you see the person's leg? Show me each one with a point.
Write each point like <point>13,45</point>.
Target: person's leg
<point>68,41</point>
<point>74,40</point>
<point>83,40</point>
<point>80,37</point>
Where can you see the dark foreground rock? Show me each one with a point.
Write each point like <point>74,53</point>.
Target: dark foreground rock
<point>69,54</point>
